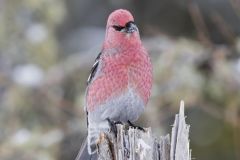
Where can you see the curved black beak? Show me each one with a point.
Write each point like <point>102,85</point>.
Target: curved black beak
<point>131,27</point>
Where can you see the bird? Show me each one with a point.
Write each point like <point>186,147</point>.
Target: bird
<point>120,81</point>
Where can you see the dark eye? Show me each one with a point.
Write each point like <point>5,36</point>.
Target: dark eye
<point>118,28</point>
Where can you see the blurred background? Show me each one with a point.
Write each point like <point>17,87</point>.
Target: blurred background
<point>47,48</point>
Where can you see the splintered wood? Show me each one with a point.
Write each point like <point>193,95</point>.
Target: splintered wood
<point>135,144</point>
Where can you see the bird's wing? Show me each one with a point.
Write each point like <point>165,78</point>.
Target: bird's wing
<point>91,76</point>
<point>94,69</point>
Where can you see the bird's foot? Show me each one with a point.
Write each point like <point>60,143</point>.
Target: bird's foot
<point>135,126</point>
<point>118,122</point>
<point>113,126</point>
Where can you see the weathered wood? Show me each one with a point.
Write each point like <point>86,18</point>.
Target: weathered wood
<point>105,151</point>
<point>135,144</point>
<point>180,133</point>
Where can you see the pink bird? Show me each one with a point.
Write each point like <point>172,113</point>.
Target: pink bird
<point>121,78</point>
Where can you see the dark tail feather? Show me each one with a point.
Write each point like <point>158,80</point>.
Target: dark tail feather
<point>83,153</point>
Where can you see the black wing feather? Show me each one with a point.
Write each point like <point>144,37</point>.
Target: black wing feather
<point>94,69</point>
<point>92,74</point>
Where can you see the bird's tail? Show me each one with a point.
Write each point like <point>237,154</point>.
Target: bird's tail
<point>83,152</point>
<point>94,130</point>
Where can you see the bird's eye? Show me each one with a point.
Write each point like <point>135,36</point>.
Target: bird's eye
<point>118,28</point>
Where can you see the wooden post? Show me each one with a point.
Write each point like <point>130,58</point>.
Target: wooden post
<point>135,144</point>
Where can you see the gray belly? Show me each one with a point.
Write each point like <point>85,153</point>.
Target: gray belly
<point>128,106</point>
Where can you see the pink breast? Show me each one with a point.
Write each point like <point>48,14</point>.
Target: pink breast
<point>118,73</point>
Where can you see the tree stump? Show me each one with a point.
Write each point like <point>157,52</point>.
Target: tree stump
<point>135,144</point>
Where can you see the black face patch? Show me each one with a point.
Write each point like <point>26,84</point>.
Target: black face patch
<point>118,28</point>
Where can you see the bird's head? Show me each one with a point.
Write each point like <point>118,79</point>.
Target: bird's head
<point>121,28</point>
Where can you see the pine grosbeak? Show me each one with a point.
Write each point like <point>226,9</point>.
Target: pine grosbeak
<point>121,78</point>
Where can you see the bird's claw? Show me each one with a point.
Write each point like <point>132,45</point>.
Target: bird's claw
<point>113,126</point>
<point>135,126</point>
<point>118,122</point>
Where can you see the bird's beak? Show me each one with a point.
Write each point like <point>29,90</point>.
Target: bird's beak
<point>131,27</point>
